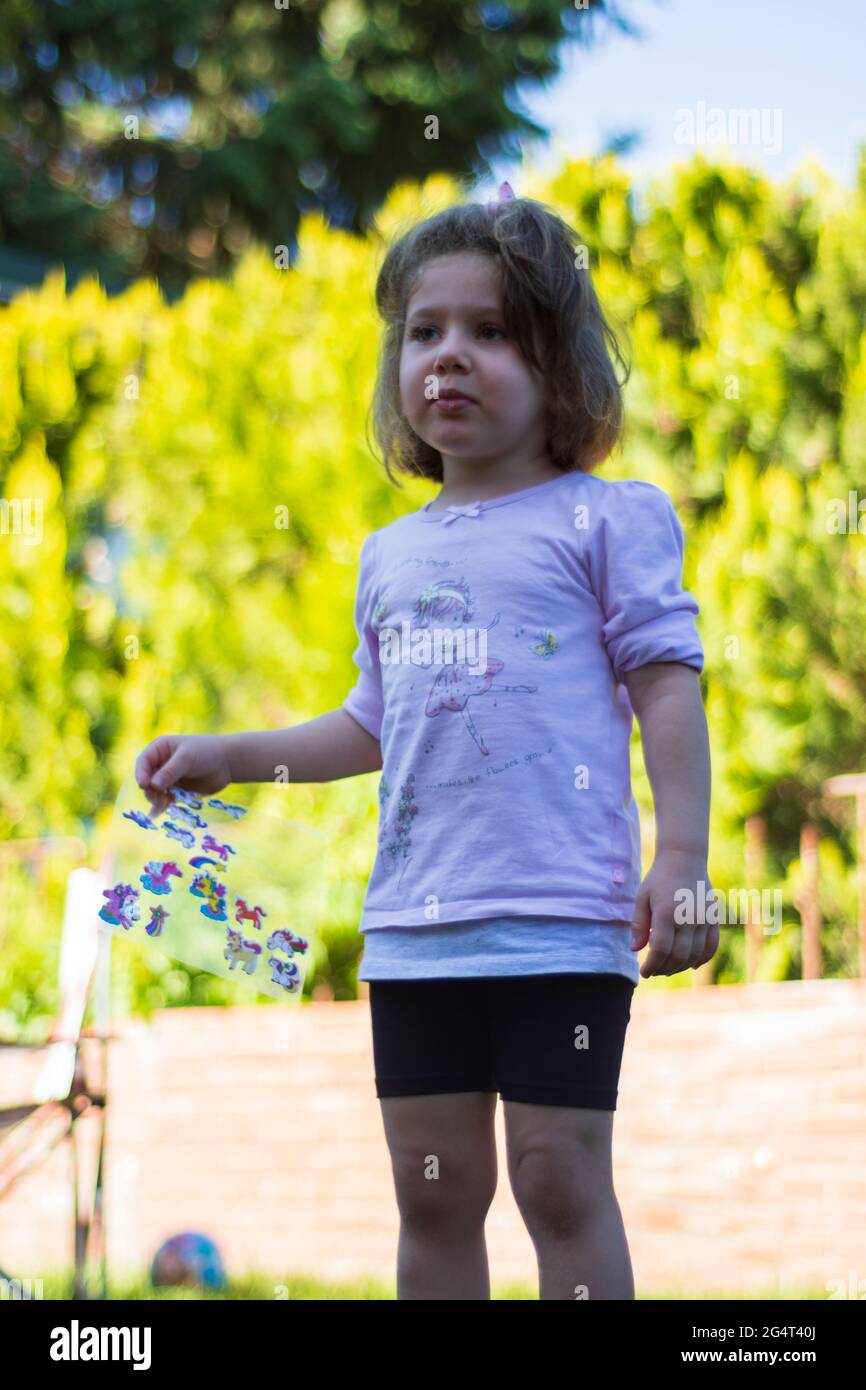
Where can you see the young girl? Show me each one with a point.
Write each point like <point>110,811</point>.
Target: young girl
<point>508,630</point>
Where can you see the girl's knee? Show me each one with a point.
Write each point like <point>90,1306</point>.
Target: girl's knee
<point>436,1197</point>
<point>555,1192</point>
<point>443,1156</point>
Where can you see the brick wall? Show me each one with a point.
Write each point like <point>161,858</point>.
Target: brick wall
<point>739,1143</point>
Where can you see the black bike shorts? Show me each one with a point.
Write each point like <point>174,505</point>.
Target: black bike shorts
<point>542,1039</point>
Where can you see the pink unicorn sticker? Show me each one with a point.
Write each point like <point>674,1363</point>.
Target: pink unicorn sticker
<point>157,873</point>
<point>210,845</point>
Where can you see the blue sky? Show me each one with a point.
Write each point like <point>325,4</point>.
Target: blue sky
<point>800,65</point>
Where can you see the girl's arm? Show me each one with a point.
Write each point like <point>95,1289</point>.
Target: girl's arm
<point>666,697</point>
<point>322,750</point>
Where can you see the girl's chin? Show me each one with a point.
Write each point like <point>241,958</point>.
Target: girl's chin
<point>442,421</point>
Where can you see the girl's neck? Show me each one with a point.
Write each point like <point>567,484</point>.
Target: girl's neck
<point>483,482</point>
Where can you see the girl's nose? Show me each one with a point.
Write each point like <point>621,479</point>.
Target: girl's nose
<point>450,351</point>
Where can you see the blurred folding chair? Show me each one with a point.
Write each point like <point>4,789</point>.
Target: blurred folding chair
<point>61,1093</point>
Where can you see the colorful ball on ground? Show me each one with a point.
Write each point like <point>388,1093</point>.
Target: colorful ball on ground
<point>189,1258</point>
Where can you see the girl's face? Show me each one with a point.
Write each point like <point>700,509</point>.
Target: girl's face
<point>455,339</point>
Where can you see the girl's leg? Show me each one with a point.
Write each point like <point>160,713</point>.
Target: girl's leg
<point>443,1155</point>
<point>559,1163</point>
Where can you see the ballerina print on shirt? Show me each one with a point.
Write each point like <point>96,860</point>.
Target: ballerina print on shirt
<point>460,681</point>
<point>453,687</point>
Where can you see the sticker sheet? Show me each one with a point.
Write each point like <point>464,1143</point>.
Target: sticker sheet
<point>216,885</point>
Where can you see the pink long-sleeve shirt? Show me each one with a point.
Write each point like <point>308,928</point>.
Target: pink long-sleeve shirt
<point>493,642</point>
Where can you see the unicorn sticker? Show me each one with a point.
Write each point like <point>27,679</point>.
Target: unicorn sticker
<point>285,973</point>
<point>188,817</point>
<point>210,845</point>
<point>121,910</point>
<point>180,794</point>
<point>249,914</point>
<point>206,886</point>
<point>179,832</point>
<point>237,949</point>
<point>157,873</point>
<point>282,940</point>
<point>234,811</point>
<point>140,819</point>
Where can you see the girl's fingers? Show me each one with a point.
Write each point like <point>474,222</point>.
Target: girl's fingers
<point>145,769</point>
<point>699,947</point>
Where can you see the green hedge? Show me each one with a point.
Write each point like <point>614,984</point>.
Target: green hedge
<point>205,484</point>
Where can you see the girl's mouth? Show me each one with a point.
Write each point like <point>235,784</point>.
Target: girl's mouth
<point>452,405</point>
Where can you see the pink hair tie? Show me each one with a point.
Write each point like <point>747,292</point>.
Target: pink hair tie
<point>506,193</point>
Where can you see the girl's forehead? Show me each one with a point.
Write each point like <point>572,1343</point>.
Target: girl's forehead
<point>456,275</point>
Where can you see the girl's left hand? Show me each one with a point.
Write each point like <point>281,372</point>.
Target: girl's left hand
<point>679,941</point>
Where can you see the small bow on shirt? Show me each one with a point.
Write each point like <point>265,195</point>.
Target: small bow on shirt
<point>471,509</point>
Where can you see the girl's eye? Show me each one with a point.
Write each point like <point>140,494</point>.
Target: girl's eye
<point>428,328</point>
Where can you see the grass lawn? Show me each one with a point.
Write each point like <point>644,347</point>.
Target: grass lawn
<point>265,1287</point>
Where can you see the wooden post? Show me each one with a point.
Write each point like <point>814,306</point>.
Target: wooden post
<point>755,861</point>
<point>809,903</point>
<point>854,784</point>
<point>861,883</point>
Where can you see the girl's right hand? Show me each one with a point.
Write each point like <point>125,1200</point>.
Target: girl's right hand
<point>195,762</point>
